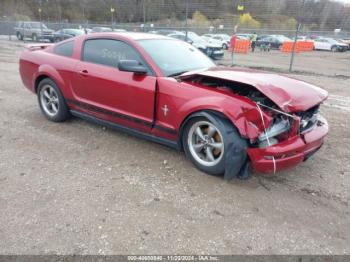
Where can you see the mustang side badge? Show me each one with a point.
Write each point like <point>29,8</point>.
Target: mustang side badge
<point>165,110</point>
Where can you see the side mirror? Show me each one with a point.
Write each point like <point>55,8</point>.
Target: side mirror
<point>132,66</point>
<point>189,41</point>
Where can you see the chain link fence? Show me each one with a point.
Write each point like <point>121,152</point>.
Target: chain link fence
<point>307,19</point>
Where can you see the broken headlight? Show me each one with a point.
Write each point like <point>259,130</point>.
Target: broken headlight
<point>279,126</point>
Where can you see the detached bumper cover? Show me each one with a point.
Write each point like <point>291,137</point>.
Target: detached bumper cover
<point>288,153</point>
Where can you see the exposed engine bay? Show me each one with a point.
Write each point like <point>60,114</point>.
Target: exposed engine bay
<point>240,89</point>
<point>282,124</point>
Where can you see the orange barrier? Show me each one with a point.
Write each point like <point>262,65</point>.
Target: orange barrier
<point>306,46</point>
<point>287,47</point>
<point>301,46</point>
<point>241,46</point>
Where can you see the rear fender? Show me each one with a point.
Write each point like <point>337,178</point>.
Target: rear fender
<point>50,72</point>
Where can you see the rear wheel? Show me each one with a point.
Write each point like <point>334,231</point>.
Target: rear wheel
<point>51,101</point>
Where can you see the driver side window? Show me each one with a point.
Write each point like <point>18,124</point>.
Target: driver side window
<point>108,52</point>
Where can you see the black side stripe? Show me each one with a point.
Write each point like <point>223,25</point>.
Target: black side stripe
<point>120,116</point>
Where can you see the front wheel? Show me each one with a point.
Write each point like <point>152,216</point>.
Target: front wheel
<point>214,145</point>
<point>224,46</point>
<point>334,49</point>
<point>51,101</point>
<point>204,145</point>
<point>19,36</point>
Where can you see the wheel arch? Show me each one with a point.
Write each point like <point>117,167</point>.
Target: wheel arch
<point>237,161</point>
<point>47,71</point>
<point>38,80</point>
<point>208,113</point>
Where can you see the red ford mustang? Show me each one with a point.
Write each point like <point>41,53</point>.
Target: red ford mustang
<point>165,90</point>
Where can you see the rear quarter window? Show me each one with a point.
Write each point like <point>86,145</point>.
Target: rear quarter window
<point>65,49</point>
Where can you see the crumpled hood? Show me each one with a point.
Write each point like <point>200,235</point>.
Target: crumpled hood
<point>290,95</point>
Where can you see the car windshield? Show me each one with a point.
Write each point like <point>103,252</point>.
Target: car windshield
<point>174,57</point>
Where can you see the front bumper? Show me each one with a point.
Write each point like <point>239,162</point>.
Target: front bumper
<point>46,37</point>
<point>217,54</point>
<point>288,153</point>
<point>342,48</point>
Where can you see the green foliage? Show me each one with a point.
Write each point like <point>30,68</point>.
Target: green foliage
<point>291,23</point>
<point>247,21</point>
<point>199,19</point>
<point>19,17</point>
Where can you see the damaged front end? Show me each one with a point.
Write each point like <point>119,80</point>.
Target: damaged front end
<point>281,133</point>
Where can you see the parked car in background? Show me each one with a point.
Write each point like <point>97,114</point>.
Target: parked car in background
<point>274,41</point>
<point>64,34</point>
<point>164,32</point>
<point>99,29</point>
<point>207,36</point>
<point>225,119</point>
<point>303,38</point>
<point>244,36</point>
<point>119,30</point>
<point>35,30</point>
<point>330,44</point>
<point>211,48</point>
<point>346,40</point>
<point>224,39</point>
<point>180,36</point>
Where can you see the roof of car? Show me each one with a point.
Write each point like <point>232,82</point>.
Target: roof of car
<point>133,35</point>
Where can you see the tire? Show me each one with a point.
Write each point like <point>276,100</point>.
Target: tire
<point>215,141</point>
<point>19,36</point>
<point>52,102</point>
<point>34,38</point>
<point>224,46</point>
<point>334,49</point>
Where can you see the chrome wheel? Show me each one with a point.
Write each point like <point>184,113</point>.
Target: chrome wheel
<point>205,143</point>
<point>49,100</point>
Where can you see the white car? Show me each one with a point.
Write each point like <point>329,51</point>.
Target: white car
<point>222,39</point>
<point>211,49</point>
<point>329,44</point>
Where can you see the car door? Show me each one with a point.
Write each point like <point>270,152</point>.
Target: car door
<point>322,44</point>
<point>317,44</point>
<point>328,44</point>
<point>102,90</point>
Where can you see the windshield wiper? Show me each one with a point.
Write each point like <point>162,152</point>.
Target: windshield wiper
<point>177,73</point>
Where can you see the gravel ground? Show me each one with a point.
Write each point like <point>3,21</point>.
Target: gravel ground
<point>78,188</point>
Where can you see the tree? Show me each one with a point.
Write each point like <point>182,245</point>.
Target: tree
<point>247,21</point>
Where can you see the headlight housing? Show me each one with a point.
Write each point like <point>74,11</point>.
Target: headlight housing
<point>279,126</point>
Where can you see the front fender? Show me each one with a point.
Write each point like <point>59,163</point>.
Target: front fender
<point>244,115</point>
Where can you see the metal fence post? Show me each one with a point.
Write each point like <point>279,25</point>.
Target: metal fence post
<point>186,22</point>
<point>296,37</point>
<point>293,48</point>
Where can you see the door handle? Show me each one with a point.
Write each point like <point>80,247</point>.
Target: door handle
<point>84,72</point>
